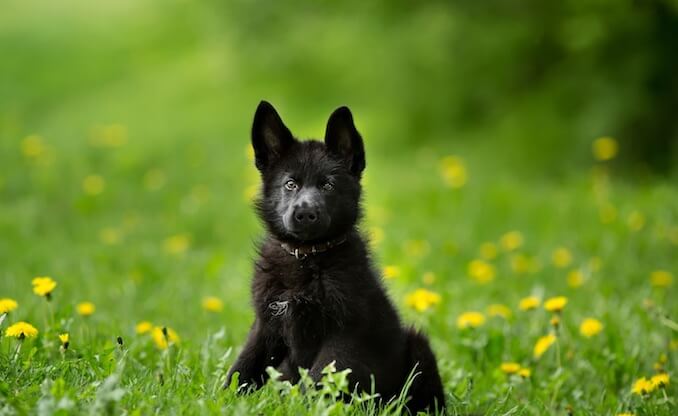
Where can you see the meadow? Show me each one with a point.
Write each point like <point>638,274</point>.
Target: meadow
<point>127,181</point>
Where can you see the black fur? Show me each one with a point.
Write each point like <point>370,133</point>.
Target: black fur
<point>328,306</point>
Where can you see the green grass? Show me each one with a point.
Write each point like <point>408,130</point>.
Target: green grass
<point>179,166</point>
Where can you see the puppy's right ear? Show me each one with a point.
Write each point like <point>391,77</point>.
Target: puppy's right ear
<point>270,137</point>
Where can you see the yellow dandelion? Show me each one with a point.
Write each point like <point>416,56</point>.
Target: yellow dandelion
<point>143,327</point>
<point>33,146</point>
<point>673,345</point>
<point>635,221</point>
<point>529,303</point>
<point>575,278</point>
<point>391,272</point>
<point>21,330</point>
<point>511,240</point>
<point>212,304</point>
<point>65,339</point>
<point>497,309</point>
<point>660,380</point>
<point>604,148</point>
<point>555,304</point>
<point>7,305</point>
<point>453,171</point>
<point>93,184</point>
<point>481,271</point>
<point>470,319</point>
<point>43,286</point>
<point>543,344</point>
<point>561,257</point>
<point>626,414</point>
<point>510,367</point>
<point>555,321</point>
<point>85,308</point>
<point>176,244</point>
<point>661,278</point>
<point>643,386</point>
<point>422,299</point>
<point>488,251</point>
<point>590,327</point>
<point>428,278</point>
<point>525,372</point>
<point>161,336</point>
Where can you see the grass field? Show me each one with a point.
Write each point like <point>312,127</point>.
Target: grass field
<point>127,178</point>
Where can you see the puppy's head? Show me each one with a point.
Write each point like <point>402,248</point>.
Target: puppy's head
<point>311,189</point>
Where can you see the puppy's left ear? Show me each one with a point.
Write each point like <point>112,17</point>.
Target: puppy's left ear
<point>343,140</point>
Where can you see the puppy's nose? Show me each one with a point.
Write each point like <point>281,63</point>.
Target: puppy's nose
<point>305,215</point>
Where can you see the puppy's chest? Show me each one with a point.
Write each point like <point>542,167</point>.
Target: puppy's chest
<point>296,303</point>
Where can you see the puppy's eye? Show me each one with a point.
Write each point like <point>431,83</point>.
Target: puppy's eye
<point>328,186</point>
<point>291,185</point>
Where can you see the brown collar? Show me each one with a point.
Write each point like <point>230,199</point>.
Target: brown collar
<point>302,251</point>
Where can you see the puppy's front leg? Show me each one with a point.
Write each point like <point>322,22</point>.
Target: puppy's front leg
<point>252,361</point>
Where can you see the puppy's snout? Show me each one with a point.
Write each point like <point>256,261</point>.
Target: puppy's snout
<point>306,215</point>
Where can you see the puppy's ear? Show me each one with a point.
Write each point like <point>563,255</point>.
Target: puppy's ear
<point>343,140</point>
<point>270,137</point>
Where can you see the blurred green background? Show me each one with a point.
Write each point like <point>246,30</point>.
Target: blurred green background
<point>125,172</point>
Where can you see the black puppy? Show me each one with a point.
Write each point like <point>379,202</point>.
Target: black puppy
<point>316,295</point>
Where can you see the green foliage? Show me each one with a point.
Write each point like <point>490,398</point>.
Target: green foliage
<point>124,129</point>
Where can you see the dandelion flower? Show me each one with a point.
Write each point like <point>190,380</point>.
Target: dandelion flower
<point>604,148</point>
<point>590,327</point>
<point>543,344</point>
<point>65,340</point>
<point>520,263</point>
<point>453,171</point>
<point>85,308</point>
<point>626,414</point>
<point>660,380</point>
<point>391,272</point>
<point>143,327</point>
<point>176,244</point>
<point>575,278</point>
<point>561,257</point>
<point>422,299</point>
<point>529,303</point>
<point>43,286</point>
<point>497,309</point>
<point>511,240</point>
<point>7,305</point>
<point>161,340</point>
<point>525,372</point>
<point>509,368</point>
<point>93,184</point>
<point>643,386</point>
<point>555,321</point>
<point>21,330</point>
<point>661,278</point>
<point>488,251</point>
<point>470,319</point>
<point>555,304</point>
<point>481,271</point>
<point>212,304</point>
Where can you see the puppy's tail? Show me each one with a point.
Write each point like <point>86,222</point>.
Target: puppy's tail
<point>426,391</point>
